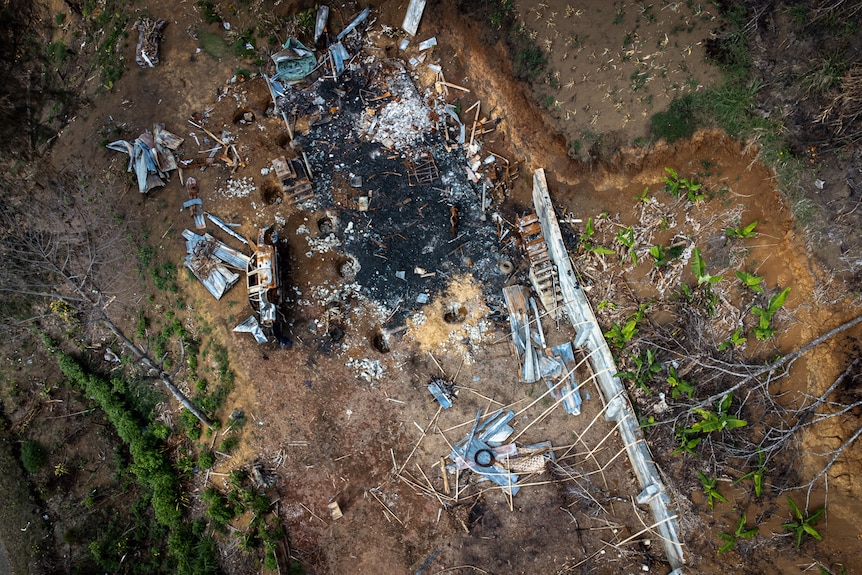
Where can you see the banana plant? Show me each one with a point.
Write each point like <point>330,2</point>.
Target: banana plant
<point>718,420</point>
<point>620,334</point>
<point>671,182</point>
<point>764,329</point>
<point>675,185</point>
<point>730,539</point>
<point>663,256</point>
<point>692,190</point>
<point>710,421</point>
<point>644,196</point>
<point>710,489</point>
<point>678,386</point>
<point>742,231</point>
<point>756,474</point>
<point>688,442</point>
<point>588,230</point>
<point>736,339</point>
<point>750,281</point>
<point>588,246</point>
<point>646,367</point>
<point>698,266</point>
<point>803,524</point>
<point>627,238</point>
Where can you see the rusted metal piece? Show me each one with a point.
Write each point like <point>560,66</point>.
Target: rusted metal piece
<point>150,156</point>
<point>195,204</point>
<point>251,326</point>
<point>226,227</point>
<point>421,171</point>
<point>293,177</point>
<point>262,274</point>
<point>210,260</point>
<point>519,320</point>
<point>542,271</point>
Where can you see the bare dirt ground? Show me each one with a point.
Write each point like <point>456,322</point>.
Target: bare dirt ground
<point>334,418</point>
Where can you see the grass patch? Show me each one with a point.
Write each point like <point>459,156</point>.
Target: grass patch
<point>212,44</point>
<point>677,122</point>
<point>107,25</point>
<point>33,456</point>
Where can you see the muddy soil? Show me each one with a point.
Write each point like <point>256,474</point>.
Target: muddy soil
<point>340,418</point>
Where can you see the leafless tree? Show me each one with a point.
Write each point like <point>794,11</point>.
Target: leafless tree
<point>66,241</point>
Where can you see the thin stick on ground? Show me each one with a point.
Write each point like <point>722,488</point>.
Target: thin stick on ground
<point>421,437</point>
<point>313,514</point>
<point>386,507</point>
<point>430,486</point>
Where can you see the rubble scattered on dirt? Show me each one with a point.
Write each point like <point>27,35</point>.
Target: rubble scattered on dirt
<point>370,370</point>
<point>238,187</point>
<point>392,190</point>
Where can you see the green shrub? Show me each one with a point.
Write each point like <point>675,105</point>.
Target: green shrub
<point>33,456</point>
<point>229,444</point>
<point>530,62</point>
<point>240,47</point>
<point>305,22</point>
<point>209,11</point>
<point>188,547</point>
<point>191,424</point>
<point>206,460</point>
<point>677,122</point>
<point>57,52</point>
<point>219,510</point>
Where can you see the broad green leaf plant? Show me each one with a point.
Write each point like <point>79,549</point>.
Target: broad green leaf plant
<point>742,231</point>
<point>730,539</point>
<point>710,489</point>
<point>803,524</point>
<point>764,329</point>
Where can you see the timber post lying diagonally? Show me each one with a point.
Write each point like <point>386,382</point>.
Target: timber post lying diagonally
<point>589,336</point>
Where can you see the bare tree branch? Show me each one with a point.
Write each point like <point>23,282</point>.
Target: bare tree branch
<point>785,360</point>
<point>68,245</point>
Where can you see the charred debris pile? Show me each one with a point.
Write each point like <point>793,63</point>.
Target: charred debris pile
<point>395,192</point>
<point>401,188</point>
<point>391,183</point>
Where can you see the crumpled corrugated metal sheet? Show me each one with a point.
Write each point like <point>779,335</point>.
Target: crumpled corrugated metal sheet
<point>251,326</point>
<point>209,259</point>
<point>150,156</point>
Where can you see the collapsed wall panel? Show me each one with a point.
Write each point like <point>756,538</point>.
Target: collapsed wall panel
<point>591,339</point>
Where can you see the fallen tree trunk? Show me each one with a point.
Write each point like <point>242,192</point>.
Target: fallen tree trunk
<point>163,375</point>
